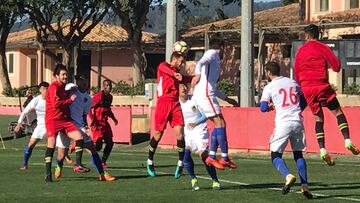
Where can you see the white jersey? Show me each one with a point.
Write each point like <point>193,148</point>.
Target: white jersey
<point>191,113</point>
<point>80,107</point>
<point>284,93</point>
<point>209,69</point>
<point>37,104</point>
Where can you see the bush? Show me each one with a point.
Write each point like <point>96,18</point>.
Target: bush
<point>21,91</point>
<point>139,88</point>
<point>94,90</point>
<point>122,88</point>
<point>353,89</point>
<point>226,86</point>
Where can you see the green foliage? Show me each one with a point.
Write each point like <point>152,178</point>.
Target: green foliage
<point>20,91</point>
<point>226,86</point>
<point>123,88</point>
<point>353,89</point>
<point>287,2</point>
<point>94,90</point>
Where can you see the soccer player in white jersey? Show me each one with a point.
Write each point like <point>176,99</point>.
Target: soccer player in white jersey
<point>203,85</point>
<point>196,139</point>
<point>79,110</point>
<point>38,105</point>
<point>288,102</point>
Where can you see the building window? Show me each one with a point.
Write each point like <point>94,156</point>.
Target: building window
<point>11,63</point>
<point>354,4</point>
<point>324,5</point>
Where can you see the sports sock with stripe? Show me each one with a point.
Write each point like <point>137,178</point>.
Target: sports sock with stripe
<point>213,144</point>
<point>301,166</point>
<point>209,168</point>
<point>189,163</point>
<point>279,163</point>
<point>79,144</point>
<point>152,148</point>
<point>320,136</point>
<point>222,140</point>
<point>27,154</point>
<point>343,125</point>
<point>49,153</point>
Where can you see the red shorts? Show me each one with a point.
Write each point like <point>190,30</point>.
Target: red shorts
<point>318,96</point>
<point>100,132</point>
<point>53,127</point>
<point>168,111</point>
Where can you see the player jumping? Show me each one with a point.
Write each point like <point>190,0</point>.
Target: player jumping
<point>168,110</point>
<point>205,91</point>
<point>99,113</point>
<point>38,105</point>
<point>285,94</point>
<point>311,72</point>
<point>196,139</point>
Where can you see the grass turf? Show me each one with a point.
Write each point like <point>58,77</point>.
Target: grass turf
<point>254,181</point>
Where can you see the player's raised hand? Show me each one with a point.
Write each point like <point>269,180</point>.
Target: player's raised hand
<point>191,126</point>
<point>73,97</point>
<point>17,127</point>
<point>178,76</point>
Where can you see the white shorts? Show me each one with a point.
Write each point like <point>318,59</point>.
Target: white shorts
<point>39,132</point>
<point>293,131</point>
<point>208,105</point>
<point>197,141</point>
<point>63,141</point>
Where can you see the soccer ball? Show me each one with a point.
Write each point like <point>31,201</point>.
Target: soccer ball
<point>180,47</point>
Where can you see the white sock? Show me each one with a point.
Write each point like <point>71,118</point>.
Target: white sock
<point>150,162</point>
<point>323,150</point>
<point>180,163</point>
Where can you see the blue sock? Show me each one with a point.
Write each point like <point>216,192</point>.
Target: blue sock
<point>211,171</point>
<point>27,154</point>
<point>221,138</point>
<point>280,165</point>
<point>189,164</point>
<point>60,163</point>
<point>213,144</point>
<point>301,168</point>
<point>95,159</point>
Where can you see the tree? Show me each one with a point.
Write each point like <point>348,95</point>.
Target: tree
<point>8,15</point>
<point>287,2</point>
<point>66,20</point>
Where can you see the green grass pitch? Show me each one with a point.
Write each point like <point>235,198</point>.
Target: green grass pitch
<point>255,180</point>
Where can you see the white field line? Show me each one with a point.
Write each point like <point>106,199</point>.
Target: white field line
<point>223,180</point>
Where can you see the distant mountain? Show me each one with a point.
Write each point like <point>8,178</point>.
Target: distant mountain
<point>156,23</point>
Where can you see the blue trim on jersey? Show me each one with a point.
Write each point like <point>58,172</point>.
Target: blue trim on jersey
<point>201,119</point>
<point>264,106</point>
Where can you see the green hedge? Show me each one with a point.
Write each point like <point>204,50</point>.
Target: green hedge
<point>20,91</point>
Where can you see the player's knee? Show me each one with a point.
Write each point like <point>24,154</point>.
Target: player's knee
<point>297,155</point>
<point>275,155</point>
<point>99,145</point>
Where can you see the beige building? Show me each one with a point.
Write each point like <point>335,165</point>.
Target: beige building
<point>27,65</point>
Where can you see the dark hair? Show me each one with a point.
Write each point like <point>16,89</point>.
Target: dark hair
<point>59,67</point>
<point>216,43</point>
<point>80,77</point>
<point>273,67</point>
<point>175,55</point>
<point>108,81</point>
<point>312,30</point>
<point>43,84</point>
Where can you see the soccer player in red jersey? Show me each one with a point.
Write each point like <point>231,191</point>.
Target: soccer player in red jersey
<point>99,113</point>
<point>168,109</point>
<point>311,72</point>
<point>57,118</point>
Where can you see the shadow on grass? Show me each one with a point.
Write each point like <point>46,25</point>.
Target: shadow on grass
<point>138,138</point>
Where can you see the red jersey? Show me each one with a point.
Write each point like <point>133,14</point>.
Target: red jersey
<point>57,103</point>
<point>311,64</point>
<point>168,85</point>
<point>100,109</point>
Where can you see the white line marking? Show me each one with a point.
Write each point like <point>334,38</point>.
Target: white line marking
<point>222,180</point>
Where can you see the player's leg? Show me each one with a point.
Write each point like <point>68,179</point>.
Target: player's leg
<point>298,145</point>
<point>161,118</point>
<point>180,145</point>
<point>27,152</point>
<point>320,136</point>
<point>49,153</point>
<point>220,128</point>
<point>108,139</point>
<point>335,108</point>
<point>38,134</point>
<point>59,161</point>
<point>278,143</point>
<point>73,133</point>
<point>189,166</point>
<point>95,159</point>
